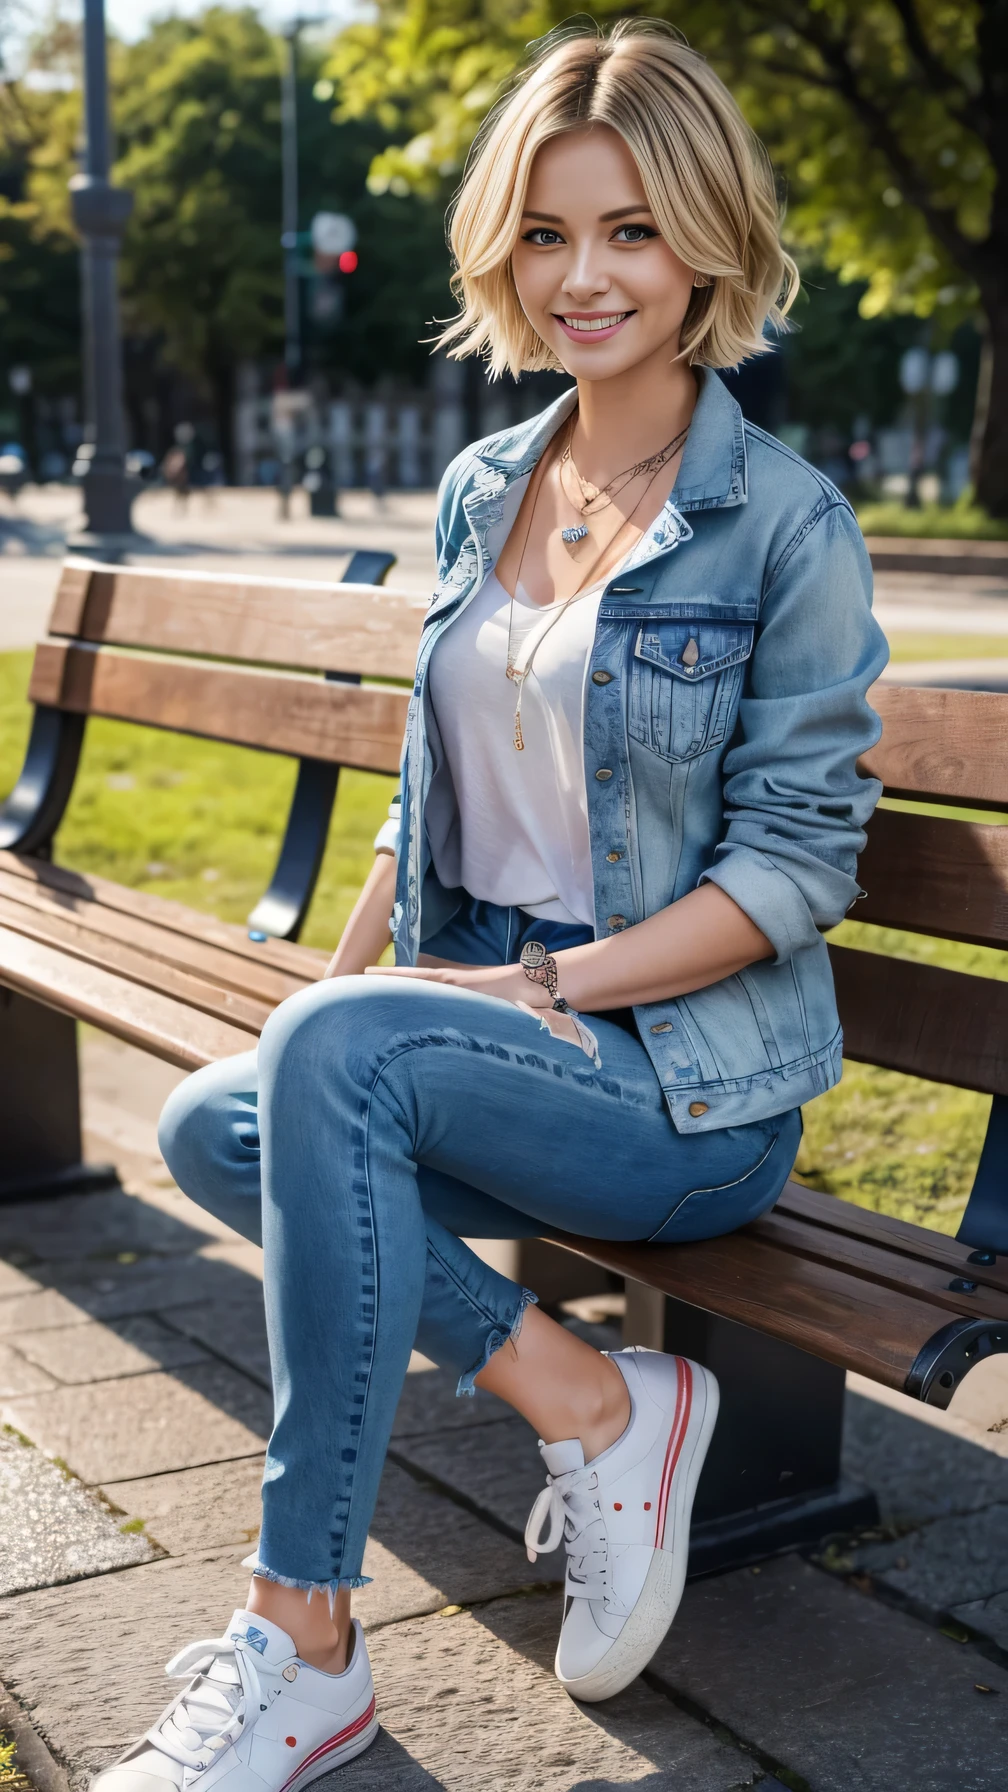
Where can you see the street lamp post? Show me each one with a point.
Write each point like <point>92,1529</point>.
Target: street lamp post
<point>101,212</point>
<point>289,223</point>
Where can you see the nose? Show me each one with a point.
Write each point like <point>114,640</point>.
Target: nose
<point>586,278</point>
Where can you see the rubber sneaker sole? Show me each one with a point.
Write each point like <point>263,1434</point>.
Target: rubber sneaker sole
<point>648,1623</point>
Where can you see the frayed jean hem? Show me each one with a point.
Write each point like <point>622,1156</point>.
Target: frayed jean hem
<point>493,1342</point>
<point>329,1587</point>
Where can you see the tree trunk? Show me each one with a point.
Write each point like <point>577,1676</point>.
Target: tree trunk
<point>991,474</point>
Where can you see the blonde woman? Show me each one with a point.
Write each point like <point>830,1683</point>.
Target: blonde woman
<point>629,807</point>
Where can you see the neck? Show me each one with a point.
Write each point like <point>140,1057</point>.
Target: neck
<point>626,418</point>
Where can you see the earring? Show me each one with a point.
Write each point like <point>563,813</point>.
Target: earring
<point>700,280</point>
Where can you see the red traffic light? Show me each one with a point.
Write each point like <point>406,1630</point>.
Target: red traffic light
<point>348,261</point>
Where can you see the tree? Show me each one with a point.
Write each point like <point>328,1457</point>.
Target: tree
<point>196,113</point>
<point>887,118</point>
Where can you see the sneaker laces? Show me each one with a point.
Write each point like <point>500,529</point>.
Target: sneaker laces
<point>569,1505</point>
<point>223,1701</point>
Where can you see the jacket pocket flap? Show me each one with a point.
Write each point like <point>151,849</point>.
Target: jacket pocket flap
<point>693,650</point>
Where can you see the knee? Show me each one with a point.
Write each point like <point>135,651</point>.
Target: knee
<point>208,1124</point>
<point>335,1029</point>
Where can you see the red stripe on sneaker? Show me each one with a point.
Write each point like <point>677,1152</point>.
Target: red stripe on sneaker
<point>677,1436</point>
<point>326,1748</point>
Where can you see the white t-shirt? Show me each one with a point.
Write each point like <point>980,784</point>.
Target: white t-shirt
<point>510,827</point>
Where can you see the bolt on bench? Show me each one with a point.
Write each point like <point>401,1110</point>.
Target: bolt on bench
<point>779,1310</point>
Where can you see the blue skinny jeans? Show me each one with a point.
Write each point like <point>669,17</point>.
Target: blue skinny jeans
<point>379,1123</point>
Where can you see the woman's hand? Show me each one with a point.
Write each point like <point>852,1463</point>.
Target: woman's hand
<point>507,981</point>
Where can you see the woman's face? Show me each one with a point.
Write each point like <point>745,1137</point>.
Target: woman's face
<point>596,279</point>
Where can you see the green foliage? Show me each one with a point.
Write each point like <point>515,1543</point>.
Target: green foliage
<point>39,282</point>
<point>876,113</point>
<point>962,521</point>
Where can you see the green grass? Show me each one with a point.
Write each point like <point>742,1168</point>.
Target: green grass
<point>202,823</point>
<point>962,521</point>
<point>191,819</point>
<point>909,645</point>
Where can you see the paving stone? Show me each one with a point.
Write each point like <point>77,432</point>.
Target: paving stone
<point>234,1329</point>
<point>17,1376</point>
<point>53,1529</point>
<point>989,1616</point>
<point>836,1686</point>
<point>13,1280</point>
<point>952,1561</point>
<point>473,1701</point>
<point>469,1702</point>
<point>196,1509</point>
<point>920,1469</point>
<point>495,1467</point>
<point>147,1424</point>
<point>423,1552</point>
<point>69,1228</point>
<point>429,1403</point>
<point>81,1353</point>
<point>115,1290</point>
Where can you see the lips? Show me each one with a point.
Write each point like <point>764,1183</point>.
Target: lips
<point>592,325</point>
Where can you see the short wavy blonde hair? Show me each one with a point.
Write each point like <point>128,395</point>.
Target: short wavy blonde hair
<point>707,178</point>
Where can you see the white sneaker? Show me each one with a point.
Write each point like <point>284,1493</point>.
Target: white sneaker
<point>254,1719</point>
<point>624,1520</point>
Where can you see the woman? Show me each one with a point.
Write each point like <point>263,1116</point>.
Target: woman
<point>630,805</point>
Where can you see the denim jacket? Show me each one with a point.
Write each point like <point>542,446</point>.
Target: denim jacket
<point>725,712</point>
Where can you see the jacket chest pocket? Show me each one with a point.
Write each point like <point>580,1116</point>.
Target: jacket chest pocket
<point>685,683</point>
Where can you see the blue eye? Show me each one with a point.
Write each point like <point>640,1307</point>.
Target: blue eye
<point>634,233</point>
<point>542,237</point>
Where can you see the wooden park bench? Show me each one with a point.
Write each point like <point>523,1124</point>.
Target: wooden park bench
<point>779,1310</point>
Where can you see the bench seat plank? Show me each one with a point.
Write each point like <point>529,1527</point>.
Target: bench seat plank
<point>923,1020</point>
<point>875,1263</point>
<point>828,1312</point>
<point>360,726</point>
<point>67,934</point>
<point>166,1028</point>
<point>312,624</point>
<point>174,917</point>
<point>226,970</point>
<point>832,1215</point>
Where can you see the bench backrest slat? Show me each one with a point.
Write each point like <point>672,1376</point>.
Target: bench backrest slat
<point>946,1026</point>
<point>352,725</point>
<point>363,629</point>
<point>941,746</point>
<point>930,875</point>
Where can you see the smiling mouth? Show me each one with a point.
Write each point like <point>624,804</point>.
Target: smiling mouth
<point>589,325</point>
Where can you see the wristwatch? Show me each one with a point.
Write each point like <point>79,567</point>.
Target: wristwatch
<point>541,967</point>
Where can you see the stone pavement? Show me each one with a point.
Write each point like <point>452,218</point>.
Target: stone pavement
<point>134,1382</point>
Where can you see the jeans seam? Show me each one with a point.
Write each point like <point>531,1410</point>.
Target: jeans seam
<point>477,1305</point>
<point>716,1188</point>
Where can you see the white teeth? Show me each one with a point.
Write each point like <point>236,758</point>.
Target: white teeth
<point>595,323</point>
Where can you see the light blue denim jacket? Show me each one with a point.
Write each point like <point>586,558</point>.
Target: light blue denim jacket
<point>738,769</point>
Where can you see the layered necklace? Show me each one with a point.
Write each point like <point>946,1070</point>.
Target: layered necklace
<point>591,502</point>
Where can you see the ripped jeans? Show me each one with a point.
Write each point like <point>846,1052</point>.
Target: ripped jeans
<point>379,1123</point>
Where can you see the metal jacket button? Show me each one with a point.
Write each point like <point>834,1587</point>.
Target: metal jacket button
<point>613,858</point>
<point>601,677</point>
<point>616,922</point>
<point>697,1108</point>
<point>665,1026</point>
<point>603,775</point>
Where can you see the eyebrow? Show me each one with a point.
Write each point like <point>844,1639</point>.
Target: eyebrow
<point>622,211</point>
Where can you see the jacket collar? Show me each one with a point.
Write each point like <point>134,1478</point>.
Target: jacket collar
<point>713,472</point>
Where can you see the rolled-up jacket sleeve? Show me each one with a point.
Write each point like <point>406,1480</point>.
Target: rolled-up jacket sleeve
<point>795,805</point>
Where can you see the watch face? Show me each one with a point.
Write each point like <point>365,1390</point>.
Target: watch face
<point>533,955</point>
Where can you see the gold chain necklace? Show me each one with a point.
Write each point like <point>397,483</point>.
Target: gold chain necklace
<point>589,503</point>
<point>519,674</point>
